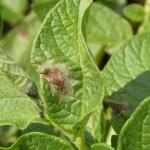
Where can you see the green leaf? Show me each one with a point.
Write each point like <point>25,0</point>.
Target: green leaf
<point>16,74</point>
<point>114,140</point>
<point>99,31</point>
<point>134,12</point>
<point>60,49</point>
<point>8,135</point>
<point>21,37</point>
<point>39,127</point>
<point>16,108</point>
<point>89,138</point>
<point>13,11</point>
<point>40,141</point>
<point>127,77</point>
<point>135,134</point>
<point>41,8</point>
<point>101,146</point>
<point>144,27</point>
<point>113,1</point>
<point>146,23</point>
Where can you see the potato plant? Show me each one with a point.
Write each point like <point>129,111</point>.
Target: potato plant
<point>74,75</point>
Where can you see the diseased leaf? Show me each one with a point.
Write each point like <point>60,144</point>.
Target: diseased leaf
<point>99,28</point>
<point>127,77</point>
<point>135,134</point>
<point>40,141</point>
<point>15,107</point>
<point>67,69</point>
<point>134,12</point>
<point>101,146</point>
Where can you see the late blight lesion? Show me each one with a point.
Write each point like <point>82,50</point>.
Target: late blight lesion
<point>59,78</point>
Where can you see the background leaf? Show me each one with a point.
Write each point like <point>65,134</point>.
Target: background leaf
<point>15,73</point>
<point>41,8</point>
<point>101,146</point>
<point>128,83</point>
<point>146,23</point>
<point>17,43</point>
<point>1,26</point>
<point>40,141</point>
<point>39,127</point>
<point>13,10</point>
<point>134,12</point>
<point>60,45</point>
<point>99,31</point>
<point>135,134</point>
<point>16,108</point>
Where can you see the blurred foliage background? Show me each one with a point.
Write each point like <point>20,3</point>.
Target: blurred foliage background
<point>20,21</point>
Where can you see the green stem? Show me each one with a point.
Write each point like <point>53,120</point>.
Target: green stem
<point>84,146</point>
<point>147,10</point>
<point>80,143</point>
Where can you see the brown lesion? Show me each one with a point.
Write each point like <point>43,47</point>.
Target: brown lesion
<point>57,78</point>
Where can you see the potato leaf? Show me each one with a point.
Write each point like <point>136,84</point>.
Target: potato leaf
<point>127,77</point>
<point>101,146</point>
<point>135,134</point>
<point>16,108</point>
<point>66,66</point>
<point>134,12</point>
<point>41,8</point>
<point>15,73</point>
<point>1,26</point>
<point>146,23</point>
<point>39,141</point>
<point>13,10</point>
<point>100,32</point>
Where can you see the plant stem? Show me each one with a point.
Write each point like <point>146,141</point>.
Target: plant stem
<point>147,9</point>
<point>80,143</point>
<point>84,146</point>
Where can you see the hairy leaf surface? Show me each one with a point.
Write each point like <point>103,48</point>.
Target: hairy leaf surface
<point>67,69</point>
